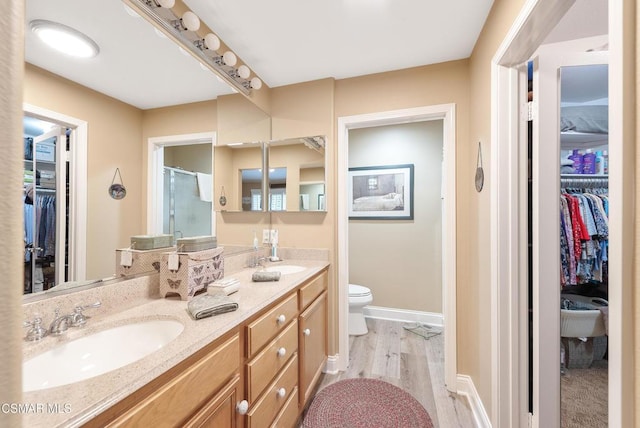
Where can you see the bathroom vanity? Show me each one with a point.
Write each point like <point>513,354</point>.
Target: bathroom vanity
<point>254,367</point>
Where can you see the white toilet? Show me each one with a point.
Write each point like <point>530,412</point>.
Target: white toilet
<point>359,297</point>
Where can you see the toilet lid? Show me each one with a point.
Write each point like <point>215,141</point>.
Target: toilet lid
<point>358,291</point>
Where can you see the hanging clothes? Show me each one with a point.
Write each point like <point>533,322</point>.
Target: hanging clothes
<point>584,236</point>
<point>42,214</point>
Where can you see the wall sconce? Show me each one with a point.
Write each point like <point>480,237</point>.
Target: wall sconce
<point>183,31</point>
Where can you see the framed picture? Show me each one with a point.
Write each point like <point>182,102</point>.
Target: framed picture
<point>381,192</point>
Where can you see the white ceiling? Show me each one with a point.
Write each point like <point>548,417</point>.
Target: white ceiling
<point>283,41</point>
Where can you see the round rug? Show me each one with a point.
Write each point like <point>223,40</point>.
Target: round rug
<point>362,402</point>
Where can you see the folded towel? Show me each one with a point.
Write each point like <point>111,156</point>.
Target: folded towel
<point>264,276</point>
<point>207,305</point>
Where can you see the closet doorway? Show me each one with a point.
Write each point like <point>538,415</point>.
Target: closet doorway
<point>511,405</point>
<point>54,199</point>
<point>180,185</point>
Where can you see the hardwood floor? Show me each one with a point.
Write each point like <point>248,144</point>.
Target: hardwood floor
<point>391,353</point>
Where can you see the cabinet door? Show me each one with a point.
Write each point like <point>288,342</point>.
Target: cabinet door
<point>220,411</point>
<point>313,345</point>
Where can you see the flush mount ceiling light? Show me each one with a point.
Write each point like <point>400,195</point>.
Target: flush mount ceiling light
<point>65,39</point>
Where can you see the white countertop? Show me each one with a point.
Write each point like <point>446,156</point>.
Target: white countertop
<point>81,401</point>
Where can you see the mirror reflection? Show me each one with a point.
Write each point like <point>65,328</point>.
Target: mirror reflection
<point>297,174</point>
<point>118,128</point>
<point>238,170</point>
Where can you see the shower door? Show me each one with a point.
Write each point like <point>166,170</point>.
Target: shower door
<point>184,212</point>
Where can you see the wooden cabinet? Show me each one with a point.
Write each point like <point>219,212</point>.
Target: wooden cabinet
<point>269,364</point>
<point>174,398</point>
<point>313,345</point>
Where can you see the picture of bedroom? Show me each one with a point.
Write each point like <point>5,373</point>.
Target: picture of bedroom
<point>381,192</point>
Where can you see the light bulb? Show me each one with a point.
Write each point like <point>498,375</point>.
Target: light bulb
<point>256,83</point>
<point>244,72</point>
<point>190,21</point>
<point>167,4</point>
<point>212,42</point>
<point>229,58</point>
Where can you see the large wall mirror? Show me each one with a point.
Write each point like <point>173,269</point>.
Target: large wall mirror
<point>117,134</point>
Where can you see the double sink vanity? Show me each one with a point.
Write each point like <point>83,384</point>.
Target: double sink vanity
<point>142,360</point>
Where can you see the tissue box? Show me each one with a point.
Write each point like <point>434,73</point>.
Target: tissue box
<point>150,242</point>
<point>195,270</point>
<point>142,261</point>
<point>196,243</point>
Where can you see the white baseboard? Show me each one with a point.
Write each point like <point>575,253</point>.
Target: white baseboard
<point>466,387</point>
<point>331,366</point>
<point>403,315</point>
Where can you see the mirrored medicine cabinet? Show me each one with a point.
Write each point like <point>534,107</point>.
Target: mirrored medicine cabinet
<point>292,172</point>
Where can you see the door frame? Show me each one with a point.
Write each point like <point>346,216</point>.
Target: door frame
<point>78,185</point>
<point>446,113</point>
<point>155,164</point>
<point>508,246</point>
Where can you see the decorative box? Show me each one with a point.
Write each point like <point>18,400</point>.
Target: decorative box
<point>196,243</point>
<point>150,242</point>
<point>142,261</point>
<point>46,151</point>
<point>194,271</point>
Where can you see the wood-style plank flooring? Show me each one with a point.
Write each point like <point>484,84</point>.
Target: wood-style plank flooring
<point>391,353</point>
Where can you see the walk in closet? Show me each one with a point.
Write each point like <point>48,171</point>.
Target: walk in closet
<point>46,196</point>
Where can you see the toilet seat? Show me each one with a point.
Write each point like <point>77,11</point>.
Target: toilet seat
<point>358,291</point>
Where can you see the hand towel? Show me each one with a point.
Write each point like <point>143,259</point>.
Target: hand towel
<point>207,305</point>
<point>264,276</point>
<point>205,186</point>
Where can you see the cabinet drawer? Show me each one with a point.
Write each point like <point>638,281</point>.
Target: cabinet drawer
<point>261,370</point>
<point>265,409</point>
<point>289,413</point>
<point>262,330</point>
<point>179,398</point>
<point>309,292</point>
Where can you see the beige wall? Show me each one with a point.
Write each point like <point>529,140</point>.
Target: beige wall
<point>474,287</point>
<point>401,261</point>
<point>114,130</point>
<point>192,157</point>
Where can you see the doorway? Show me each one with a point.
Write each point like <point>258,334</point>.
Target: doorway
<point>510,387</point>
<point>446,113</point>
<point>180,183</point>
<point>55,165</point>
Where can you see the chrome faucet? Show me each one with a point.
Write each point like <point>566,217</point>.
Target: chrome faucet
<point>61,323</point>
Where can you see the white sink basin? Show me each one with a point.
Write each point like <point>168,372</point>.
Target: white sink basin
<point>285,269</point>
<point>97,353</point>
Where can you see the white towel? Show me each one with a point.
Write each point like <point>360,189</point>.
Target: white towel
<point>205,186</point>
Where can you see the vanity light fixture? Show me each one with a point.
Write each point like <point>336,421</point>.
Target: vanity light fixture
<point>65,39</point>
<point>314,143</point>
<point>183,31</point>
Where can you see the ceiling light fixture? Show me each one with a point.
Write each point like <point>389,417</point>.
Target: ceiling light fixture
<point>65,39</point>
<point>183,31</point>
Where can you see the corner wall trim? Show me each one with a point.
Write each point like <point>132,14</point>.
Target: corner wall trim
<point>403,315</point>
<point>331,366</point>
<point>468,389</point>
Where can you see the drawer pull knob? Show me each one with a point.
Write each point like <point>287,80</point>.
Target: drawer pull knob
<point>242,407</point>
<point>281,319</point>
<point>282,352</point>
<point>281,392</point>
<point>306,332</point>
